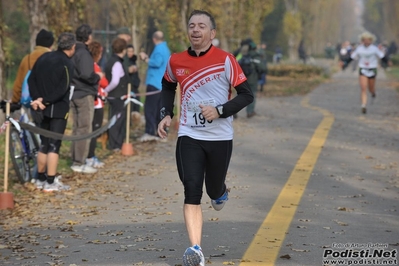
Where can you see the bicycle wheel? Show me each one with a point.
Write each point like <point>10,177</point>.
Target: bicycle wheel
<point>18,156</point>
<point>32,153</point>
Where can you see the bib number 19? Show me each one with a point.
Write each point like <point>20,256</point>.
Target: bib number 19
<point>200,119</point>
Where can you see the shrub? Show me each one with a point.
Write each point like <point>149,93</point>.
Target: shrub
<point>295,71</point>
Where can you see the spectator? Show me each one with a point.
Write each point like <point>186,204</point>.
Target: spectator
<point>263,56</point>
<point>252,65</point>
<point>392,49</point>
<point>85,82</point>
<point>302,52</point>
<point>278,55</point>
<point>133,75</point>
<point>117,87</point>
<point>44,41</point>
<point>156,69</point>
<point>96,51</point>
<point>49,85</point>
<point>205,136</point>
<point>124,33</point>
<point>329,51</point>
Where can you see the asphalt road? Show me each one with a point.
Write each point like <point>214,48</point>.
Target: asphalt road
<point>131,213</point>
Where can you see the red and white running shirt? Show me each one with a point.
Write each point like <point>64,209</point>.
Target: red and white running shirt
<point>206,80</point>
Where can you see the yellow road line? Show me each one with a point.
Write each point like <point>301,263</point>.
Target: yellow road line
<point>267,242</point>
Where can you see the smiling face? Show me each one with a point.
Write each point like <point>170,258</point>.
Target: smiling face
<point>200,32</point>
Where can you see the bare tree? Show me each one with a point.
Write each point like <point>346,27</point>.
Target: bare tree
<point>38,19</point>
<point>292,28</point>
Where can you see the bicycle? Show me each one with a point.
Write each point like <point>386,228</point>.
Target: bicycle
<point>24,145</point>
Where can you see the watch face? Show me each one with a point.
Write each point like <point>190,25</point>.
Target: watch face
<point>220,109</point>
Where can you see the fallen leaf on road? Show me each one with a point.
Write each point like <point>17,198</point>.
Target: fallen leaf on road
<point>286,256</point>
<point>300,250</point>
<point>341,223</point>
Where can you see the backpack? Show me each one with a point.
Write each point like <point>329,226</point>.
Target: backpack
<point>246,64</point>
<point>25,95</point>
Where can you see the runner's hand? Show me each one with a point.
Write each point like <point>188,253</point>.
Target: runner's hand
<point>163,127</point>
<point>209,112</point>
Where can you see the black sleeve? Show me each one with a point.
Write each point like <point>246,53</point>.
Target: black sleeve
<point>243,98</point>
<point>33,90</point>
<point>168,96</point>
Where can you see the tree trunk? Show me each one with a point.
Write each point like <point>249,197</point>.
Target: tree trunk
<point>293,32</point>
<point>3,90</point>
<point>38,19</point>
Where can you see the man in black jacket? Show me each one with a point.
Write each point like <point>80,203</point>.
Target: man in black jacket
<point>85,82</point>
<point>49,86</point>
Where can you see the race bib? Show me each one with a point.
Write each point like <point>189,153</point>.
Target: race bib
<point>194,117</point>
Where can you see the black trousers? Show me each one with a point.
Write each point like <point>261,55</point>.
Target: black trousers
<point>117,133</point>
<point>152,107</point>
<point>199,161</point>
<point>97,123</point>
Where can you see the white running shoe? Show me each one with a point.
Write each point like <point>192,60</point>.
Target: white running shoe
<point>218,204</point>
<point>94,162</point>
<point>147,137</point>
<point>39,184</point>
<point>83,168</point>
<point>193,256</point>
<point>57,185</point>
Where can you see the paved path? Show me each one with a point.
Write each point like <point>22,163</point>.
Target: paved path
<point>131,213</point>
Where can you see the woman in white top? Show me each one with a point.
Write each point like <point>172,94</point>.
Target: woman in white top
<point>369,56</point>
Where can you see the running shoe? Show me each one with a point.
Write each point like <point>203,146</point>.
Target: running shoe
<point>147,137</point>
<point>39,184</point>
<point>83,168</point>
<point>364,110</point>
<point>94,162</point>
<point>57,185</point>
<point>193,256</point>
<point>373,95</point>
<point>218,204</point>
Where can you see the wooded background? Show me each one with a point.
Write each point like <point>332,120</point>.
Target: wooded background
<point>282,23</point>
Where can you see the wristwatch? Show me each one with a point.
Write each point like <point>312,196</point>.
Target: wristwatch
<point>164,113</point>
<point>219,109</point>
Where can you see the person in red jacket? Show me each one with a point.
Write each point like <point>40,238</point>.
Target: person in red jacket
<point>96,51</point>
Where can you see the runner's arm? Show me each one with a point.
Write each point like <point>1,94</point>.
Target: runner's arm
<point>243,98</point>
<point>168,96</point>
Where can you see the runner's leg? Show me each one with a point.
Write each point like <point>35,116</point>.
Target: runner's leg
<point>190,159</point>
<point>363,81</point>
<point>217,164</point>
<point>371,85</point>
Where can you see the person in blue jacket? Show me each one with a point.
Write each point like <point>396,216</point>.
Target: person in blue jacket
<point>156,69</point>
